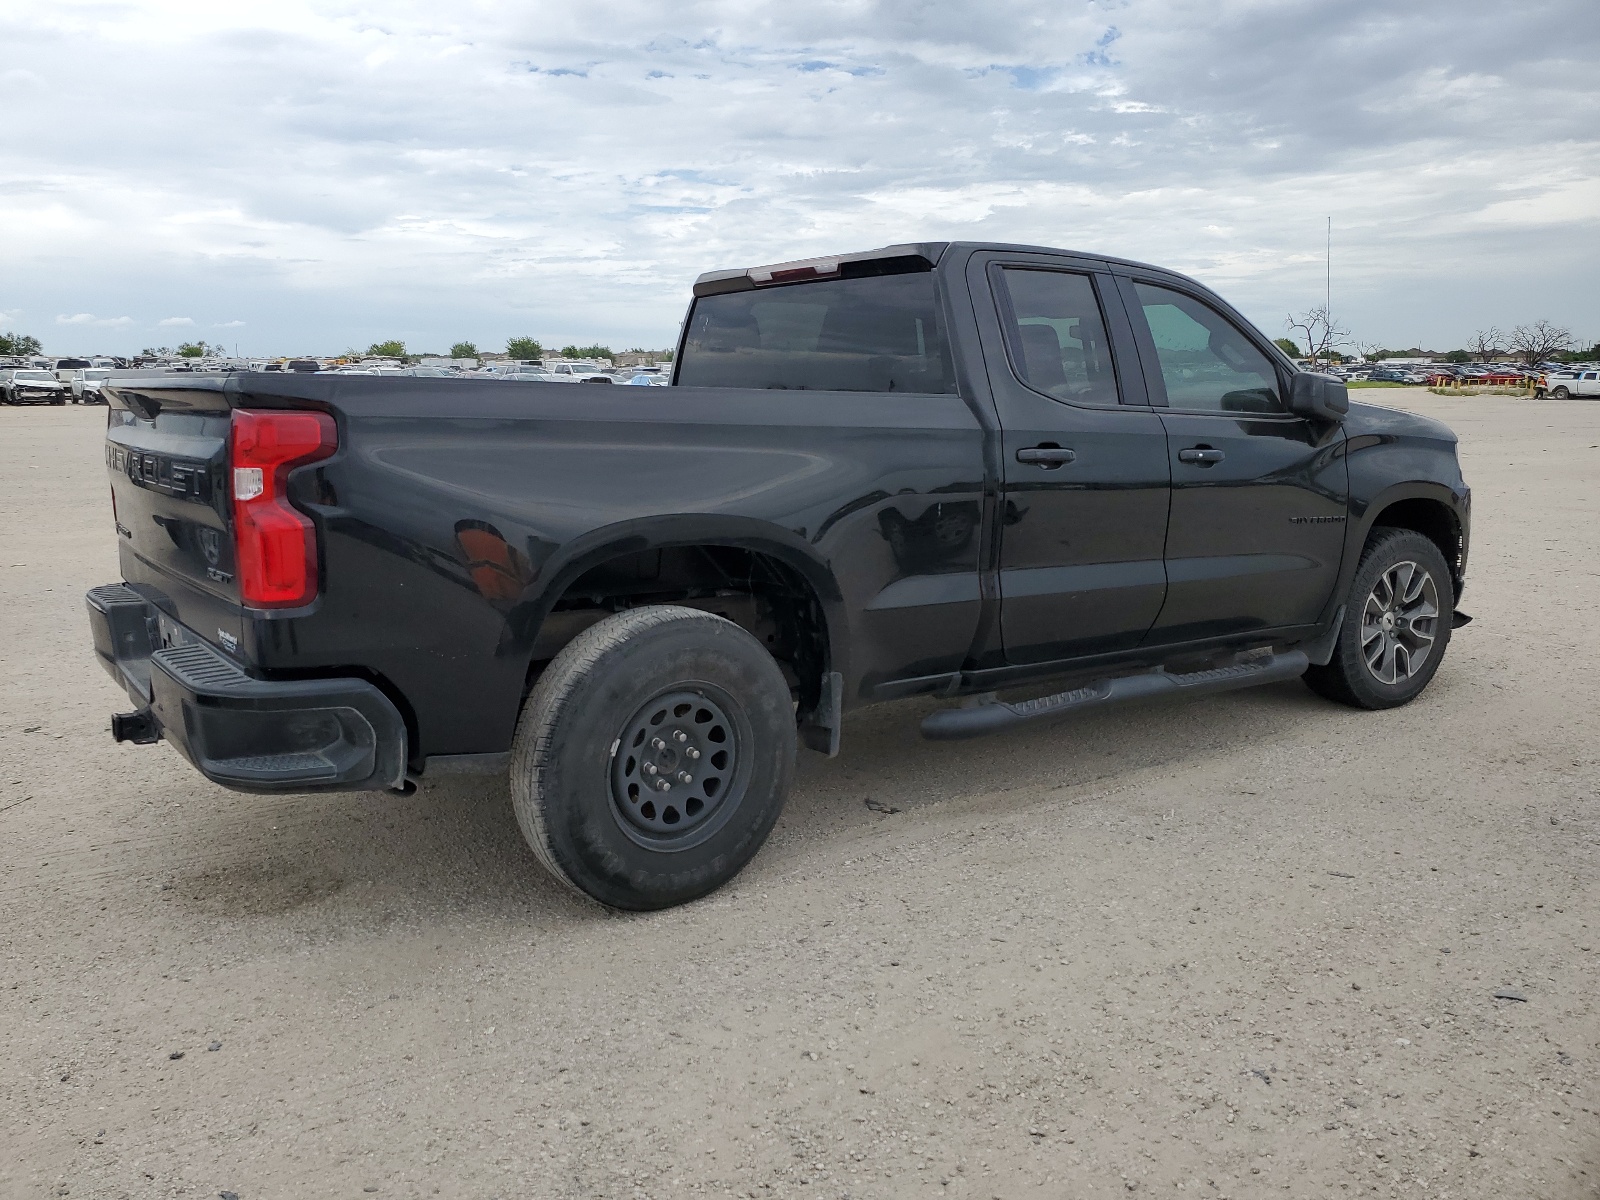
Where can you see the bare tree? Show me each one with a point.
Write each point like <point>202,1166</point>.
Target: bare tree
<point>1539,341</point>
<point>1486,343</point>
<point>1322,335</point>
<point>1366,350</point>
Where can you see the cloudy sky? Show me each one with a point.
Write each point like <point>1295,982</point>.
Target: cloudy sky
<point>302,177</point>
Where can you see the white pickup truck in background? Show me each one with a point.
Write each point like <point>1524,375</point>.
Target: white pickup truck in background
<point>1561,385</point>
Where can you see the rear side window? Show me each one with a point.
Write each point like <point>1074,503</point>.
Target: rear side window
<point>1057,336</point>
<point>878,333</point>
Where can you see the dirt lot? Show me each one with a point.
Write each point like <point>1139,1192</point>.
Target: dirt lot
<point>1238,947</point>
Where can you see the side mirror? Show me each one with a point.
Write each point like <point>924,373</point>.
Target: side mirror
<point>1320,396</point>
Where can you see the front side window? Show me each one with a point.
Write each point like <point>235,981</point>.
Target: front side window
<point>1057,335</point>
<point>874,333</point>
<point>1206,363</point>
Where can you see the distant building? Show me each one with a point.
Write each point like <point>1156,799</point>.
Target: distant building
<point>641,358</point>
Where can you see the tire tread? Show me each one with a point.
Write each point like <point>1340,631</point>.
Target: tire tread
<point>1332,681</point>
<point>533,745</point>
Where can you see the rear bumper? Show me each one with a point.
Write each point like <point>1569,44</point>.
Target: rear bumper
<point>249,734</point>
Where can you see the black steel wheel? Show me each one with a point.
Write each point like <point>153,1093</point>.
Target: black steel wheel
<point>1397,623</point>
<point>653,756</point>
<point>679,765</point>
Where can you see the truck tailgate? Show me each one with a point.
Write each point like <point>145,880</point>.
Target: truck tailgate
<point>169,470</point>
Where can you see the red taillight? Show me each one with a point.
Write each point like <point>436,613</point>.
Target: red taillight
<point>276,543</point>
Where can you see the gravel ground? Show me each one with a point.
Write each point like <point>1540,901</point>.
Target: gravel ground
<point>1245,946</point>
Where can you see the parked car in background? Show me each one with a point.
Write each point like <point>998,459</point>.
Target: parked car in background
<point>34,386</point>
<point>1562,385</point>
<point>649,381</point>
<point>578,373</point>
<point>85,385</point>
<point>65,368</point>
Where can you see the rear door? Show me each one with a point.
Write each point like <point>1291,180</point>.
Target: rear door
<point>1084,468</point>
<point>1259,495</point>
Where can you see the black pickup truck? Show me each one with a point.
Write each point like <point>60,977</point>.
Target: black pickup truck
<point>942,468</point>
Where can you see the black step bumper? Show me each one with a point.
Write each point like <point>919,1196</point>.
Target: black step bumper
<point>249,734</point>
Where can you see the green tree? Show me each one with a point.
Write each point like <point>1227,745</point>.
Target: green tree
<point>1288,347</point>
<point>193,350</point>
<point>393,348</point>
<point>463,350</point>
<point>1458,356</point>
<point>525,348</point>
<point>20,344</point>
<point>604,352</point>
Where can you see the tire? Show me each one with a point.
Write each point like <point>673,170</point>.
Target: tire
<point>1560,393</point>
<point>1394,671</point>
<point>592,808</point>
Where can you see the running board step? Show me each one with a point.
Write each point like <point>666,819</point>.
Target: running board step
<point>991,716</point>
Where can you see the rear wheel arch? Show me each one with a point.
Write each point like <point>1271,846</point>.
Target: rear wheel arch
<point>779,593</point>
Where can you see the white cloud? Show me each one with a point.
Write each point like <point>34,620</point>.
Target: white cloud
<point>174,321</point>
<point>566,170</point>
<point>228,325</point>
<point>91,319</point>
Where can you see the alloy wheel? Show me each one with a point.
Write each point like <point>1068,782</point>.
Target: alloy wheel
<point>1399,623</point>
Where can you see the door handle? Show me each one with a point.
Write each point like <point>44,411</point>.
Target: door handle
<point>1046,456</point>
<point>1204,455</point>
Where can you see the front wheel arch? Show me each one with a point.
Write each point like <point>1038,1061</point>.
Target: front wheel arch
<point>1433,519</point>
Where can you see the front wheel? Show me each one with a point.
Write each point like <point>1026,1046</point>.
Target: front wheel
<point>1396,624</point>
<point>653,757</point>
<point>1560,393</point>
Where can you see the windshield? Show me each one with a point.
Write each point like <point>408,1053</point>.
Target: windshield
<point>44,375</point>
<point>97,374</point>
<point>877,333</point>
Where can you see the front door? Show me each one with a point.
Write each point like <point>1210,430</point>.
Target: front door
<point>1259,495</point>
<point>1084,473</point>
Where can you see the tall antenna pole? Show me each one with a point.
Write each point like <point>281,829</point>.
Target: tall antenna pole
<point>1327,284</point>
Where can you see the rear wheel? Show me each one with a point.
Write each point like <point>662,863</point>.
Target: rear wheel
<point>1396,625</point>
<point>653,757</point>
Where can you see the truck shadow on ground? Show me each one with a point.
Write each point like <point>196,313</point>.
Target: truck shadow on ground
<point>452,853</point>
